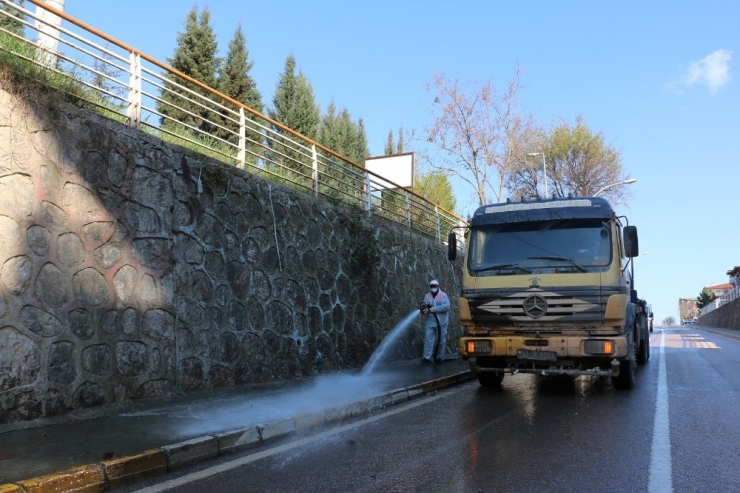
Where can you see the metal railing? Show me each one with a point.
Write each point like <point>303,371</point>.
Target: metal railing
<point>730,295</point>
<point>127,85</point>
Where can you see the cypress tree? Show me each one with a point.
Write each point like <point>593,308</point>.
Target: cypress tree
<point>195,56</point>
<point>234,81</point>
<point>399,149</point>
<point>361,149</point>
<point>294,104</point>
<point>389,145</point>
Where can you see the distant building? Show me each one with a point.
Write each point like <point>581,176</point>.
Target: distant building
<point>734,274</point>
<point>720,289</point>
<point>687,309</point>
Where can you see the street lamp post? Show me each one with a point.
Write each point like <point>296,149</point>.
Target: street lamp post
<point>544,168</point>
<point>623,182</point>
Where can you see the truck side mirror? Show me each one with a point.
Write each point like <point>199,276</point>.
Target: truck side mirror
<point>631,247</point>
<point>452,246</point>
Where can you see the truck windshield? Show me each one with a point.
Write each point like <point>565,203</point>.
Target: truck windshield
<point>581,246</point>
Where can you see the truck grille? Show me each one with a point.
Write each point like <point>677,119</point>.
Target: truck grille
<point>536,307</point>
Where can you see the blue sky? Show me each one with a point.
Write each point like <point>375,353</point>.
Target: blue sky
<point>657,78</point>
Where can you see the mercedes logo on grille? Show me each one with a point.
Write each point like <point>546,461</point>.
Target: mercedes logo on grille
<point>535,306</point>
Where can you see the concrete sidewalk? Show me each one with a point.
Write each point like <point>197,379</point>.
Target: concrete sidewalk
<point>103,449</point>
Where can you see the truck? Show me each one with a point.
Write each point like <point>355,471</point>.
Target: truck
<point>548,288</point>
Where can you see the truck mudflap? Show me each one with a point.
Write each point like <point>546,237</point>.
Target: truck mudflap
<point>552,370</point>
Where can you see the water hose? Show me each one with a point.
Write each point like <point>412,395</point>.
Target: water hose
<point>439,336</point>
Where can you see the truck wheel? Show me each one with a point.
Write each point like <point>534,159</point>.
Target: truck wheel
<point>643,354</point>
<point>647,344</point>
<point>490,379</point>
<point>626,378</point>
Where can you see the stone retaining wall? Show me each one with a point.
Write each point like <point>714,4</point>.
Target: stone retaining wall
<point>726,316</point>
<point>119,280</point>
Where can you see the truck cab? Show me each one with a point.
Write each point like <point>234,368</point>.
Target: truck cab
<point>548,288</point>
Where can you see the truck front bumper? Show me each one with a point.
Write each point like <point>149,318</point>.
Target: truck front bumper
<point>551,355</point>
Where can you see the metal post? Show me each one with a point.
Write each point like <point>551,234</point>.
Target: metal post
<point>315,172</point>
<point>242,153</point>
<point>133,111</point>
<point>544,168</point>
<point>439,227</point>
<point>408,208</point>
<point>368,193</point>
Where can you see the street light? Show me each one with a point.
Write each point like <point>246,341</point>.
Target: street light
<point>544,168</point>
<point>624,182</point>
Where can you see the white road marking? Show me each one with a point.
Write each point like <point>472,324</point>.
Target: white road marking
<point>660,455</point>
<point>227,466</point>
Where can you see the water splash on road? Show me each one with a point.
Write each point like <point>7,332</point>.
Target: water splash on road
<point>261,403</point>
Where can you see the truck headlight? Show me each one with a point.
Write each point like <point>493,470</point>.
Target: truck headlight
<point>479,346</point>
<point>598,346</point>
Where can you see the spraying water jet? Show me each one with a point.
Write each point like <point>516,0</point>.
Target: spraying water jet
<point>388,341</point>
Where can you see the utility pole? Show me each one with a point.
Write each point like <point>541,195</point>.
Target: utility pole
<point>48,25</point>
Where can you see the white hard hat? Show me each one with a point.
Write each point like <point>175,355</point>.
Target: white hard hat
<point>434,282</point>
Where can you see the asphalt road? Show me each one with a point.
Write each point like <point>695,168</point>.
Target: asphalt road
<point>676,431</point>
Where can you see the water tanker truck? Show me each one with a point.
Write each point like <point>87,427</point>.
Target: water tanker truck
<point>548,288</point>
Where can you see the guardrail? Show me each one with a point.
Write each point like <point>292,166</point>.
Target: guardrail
<point>730,295</point>
<point>125,84</point>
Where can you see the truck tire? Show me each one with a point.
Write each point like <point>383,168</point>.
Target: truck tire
<point>490,379</point>
<point>626,378</point>
<point>643,335</point>
<point>643,354</point>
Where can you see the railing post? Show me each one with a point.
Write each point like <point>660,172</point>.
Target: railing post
<point>133,111</point>
<point>241,154</point>
<point>439,227</point>
<point>368,194</point>
<point>315,172</point>
<point>407,206</point>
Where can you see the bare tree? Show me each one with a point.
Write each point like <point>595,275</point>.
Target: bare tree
<point>479,133</point>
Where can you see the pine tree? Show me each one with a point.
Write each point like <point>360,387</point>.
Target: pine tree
<point>234,81</point>
<point>12,23</point>
<point>195,56</point>
<point>294,106</point>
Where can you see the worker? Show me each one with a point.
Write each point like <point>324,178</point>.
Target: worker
<point>435,310</point>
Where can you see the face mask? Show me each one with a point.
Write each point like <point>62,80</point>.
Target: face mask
<point>434,290</point>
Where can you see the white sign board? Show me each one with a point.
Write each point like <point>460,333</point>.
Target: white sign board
<point>397,169</point>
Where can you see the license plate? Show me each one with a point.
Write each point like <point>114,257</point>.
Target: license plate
<point>537,355</point>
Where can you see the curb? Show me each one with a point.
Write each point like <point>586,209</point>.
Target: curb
<point>115,473</point>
